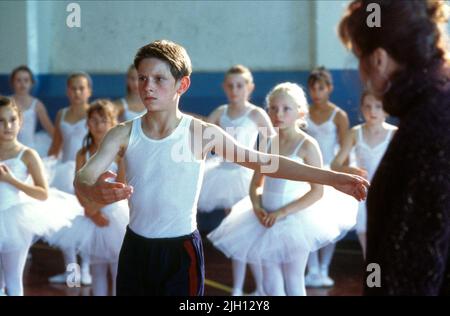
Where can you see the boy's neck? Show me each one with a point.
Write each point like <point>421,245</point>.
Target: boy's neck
<point>160,123</point>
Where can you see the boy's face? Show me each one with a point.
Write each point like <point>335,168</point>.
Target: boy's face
<point>320,92</point>
<point>158,88</point>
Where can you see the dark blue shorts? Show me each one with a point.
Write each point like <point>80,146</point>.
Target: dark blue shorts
<point>161,266</point>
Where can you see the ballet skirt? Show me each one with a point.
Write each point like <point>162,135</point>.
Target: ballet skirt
<point>23,218</point>
<point>102,244</point>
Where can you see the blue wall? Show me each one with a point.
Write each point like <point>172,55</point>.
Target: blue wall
<point>205,92</point>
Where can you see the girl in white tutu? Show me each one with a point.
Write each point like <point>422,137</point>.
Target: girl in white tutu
<point>328,124</point>
<point>70,129</point>
<point>100,231</point>
<point>369,142</point>
<point>22,81</point>
<point>279,228</point>
<point>22,214</point>
<point>131,106</point>
<point>225,183</point>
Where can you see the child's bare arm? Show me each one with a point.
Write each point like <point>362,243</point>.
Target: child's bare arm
<point>339,162</point>
<point>342,125</point>
<point>44,119</point>
<point>90,180</point>
<point>57,139</point>
<point>39,188</point>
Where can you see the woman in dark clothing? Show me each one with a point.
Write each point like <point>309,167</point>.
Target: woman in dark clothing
<point>404,62</point>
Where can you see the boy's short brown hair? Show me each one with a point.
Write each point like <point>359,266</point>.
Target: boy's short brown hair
<point>320,75</point>
<point>172,53</point>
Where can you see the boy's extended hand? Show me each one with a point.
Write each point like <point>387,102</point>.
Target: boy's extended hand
<point>107,192</point>
<point>353,185</point>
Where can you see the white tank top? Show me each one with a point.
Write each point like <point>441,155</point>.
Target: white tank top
<point>279,192</point>
<point>369,157</point>
<point>127,113</point>
<point>73,135</point>
<point>26,133</point>
<point>9,194</point>
<point>166,178</point>
<point>326,136</point>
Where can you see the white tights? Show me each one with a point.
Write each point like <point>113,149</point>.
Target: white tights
<point>286,278</point>
<point>239,276</point>
<point>100,278</point>
<point>71,257</point>
<point>13,264</point>
<point>322,264</point>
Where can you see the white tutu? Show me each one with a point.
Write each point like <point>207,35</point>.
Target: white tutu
<point>242,237</point>
<point>27,218</point>
<point>60,175</point>
<point>42,142</point>
<point>224,184</point>
<point>101,243</point>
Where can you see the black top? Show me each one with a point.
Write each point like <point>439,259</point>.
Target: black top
<point>408,224</point>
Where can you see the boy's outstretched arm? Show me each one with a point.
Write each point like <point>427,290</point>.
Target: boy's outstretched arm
<point>91,180</point>
<point>281,167</point>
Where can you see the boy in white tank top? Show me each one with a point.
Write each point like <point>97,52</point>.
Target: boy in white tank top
<point>164,152</point>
